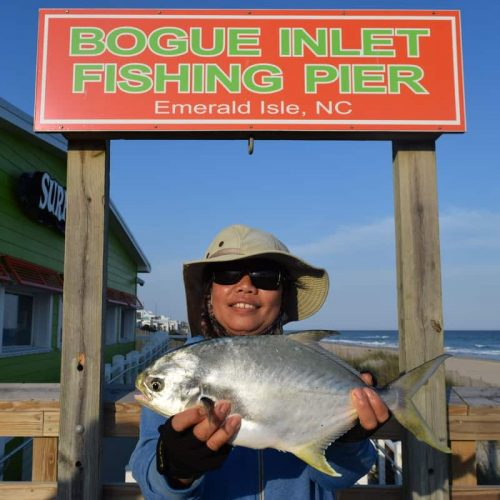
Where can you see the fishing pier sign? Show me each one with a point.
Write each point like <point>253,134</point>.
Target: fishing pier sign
<point>221,70</point>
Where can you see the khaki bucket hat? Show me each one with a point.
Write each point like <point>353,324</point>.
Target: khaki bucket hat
<point>306,294</point>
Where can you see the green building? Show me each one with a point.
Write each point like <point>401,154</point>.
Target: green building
<point>32,217</point>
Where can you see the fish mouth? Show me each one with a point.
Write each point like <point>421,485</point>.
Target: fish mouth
<point>144,395</point>
<point>141,398</point>
<point>139,381</point>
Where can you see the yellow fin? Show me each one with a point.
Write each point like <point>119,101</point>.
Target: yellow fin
<point>314,455</point>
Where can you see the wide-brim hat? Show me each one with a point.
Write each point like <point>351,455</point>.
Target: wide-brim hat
<point>306,291</point>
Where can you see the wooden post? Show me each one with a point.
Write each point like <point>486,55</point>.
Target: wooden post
<point>420,309</point>
<point>85,262</point>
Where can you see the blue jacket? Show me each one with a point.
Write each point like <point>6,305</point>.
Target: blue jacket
<point>249,474</point>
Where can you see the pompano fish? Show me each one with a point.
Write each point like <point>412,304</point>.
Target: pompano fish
<point>292,394</point>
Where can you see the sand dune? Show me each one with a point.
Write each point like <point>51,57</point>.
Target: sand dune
<point>461,371</point>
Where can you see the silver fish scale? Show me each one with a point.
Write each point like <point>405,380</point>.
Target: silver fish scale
<point>277,384</point>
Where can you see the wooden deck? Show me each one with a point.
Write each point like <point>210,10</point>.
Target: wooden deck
<point>33,410</point>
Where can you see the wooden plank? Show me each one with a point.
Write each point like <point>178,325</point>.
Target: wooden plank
<point>51,423</point>
<point>47,491</point>
<point>421,335</point>
<point>456,405</point>
<point>19,397</point>
<point>463,463</point>
<point>475,427</point>
<point>482,403</point>
<point>121,411</point>
<point>25,490</point>
<point>476,392</point>
<point>371,492</point>
<point>121,420</point>
<point>44,466</point>
<point>23,423</point>
<point>473,492</point>
<point>122,492</point>
<point>85,263</point>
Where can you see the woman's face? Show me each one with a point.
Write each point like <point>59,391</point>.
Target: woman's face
<point>244,309</point>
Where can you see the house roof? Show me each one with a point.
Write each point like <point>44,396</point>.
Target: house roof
<point>14,118</point>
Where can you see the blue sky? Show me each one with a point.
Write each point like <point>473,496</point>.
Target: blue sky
<point>331,202</point>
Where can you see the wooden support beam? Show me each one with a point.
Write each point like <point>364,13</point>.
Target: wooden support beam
<point>464,463</point>
<point>44,466</point>
<point>85,262</point>
<point>421,335</point>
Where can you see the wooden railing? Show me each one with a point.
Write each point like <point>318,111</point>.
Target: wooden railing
<point>33,410</point>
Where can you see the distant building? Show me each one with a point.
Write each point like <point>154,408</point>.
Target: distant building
<point>32,220</point>
<point>147,320</point>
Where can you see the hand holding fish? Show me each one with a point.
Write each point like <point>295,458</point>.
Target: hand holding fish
<point>372,411</point>
<point>195,441</point>
<point>215,430</point>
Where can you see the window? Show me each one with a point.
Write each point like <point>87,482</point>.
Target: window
<point>111,326</point>
<point>26,320</point>
<point>127,329</point>
<point>17,320</point>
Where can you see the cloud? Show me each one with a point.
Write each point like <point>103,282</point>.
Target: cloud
<point>348,238</point>
<point>470,229</point>
<point>460,228</point>
<point>361,262</point>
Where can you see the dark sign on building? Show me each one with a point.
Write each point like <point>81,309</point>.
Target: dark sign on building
<point>43,199</point>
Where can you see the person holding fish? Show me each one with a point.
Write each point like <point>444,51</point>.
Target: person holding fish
<point>236,402</point>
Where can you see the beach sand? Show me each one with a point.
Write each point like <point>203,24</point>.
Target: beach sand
<point>461,371</point>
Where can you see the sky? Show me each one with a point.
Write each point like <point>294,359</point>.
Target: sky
<point>330,202</point>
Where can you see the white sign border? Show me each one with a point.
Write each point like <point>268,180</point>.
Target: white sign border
<point>85,122</point>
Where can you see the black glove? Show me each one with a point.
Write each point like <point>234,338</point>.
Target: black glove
<point>357,433</point>
<point>180,455</point>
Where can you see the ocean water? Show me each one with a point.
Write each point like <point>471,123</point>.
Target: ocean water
<point>468,343</point>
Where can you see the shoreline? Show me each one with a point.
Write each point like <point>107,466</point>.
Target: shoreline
<point>395,349</point>
<point>460,370</point>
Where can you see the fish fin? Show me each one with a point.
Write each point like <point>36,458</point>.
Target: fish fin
<point>311,339</point>
<point>311,336</point>
<point>209,406</point>
<point>314,455</point>
<point>410,418</point>
<point>403,409</point>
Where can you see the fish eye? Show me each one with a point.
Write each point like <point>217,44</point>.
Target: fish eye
<point>156,384</point>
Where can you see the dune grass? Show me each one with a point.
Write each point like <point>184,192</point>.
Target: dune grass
<point>382,363</point>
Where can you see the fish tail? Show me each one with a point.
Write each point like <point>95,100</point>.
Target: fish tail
<point>398,396</point>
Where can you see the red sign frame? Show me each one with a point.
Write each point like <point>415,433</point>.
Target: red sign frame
<point>239,70</point>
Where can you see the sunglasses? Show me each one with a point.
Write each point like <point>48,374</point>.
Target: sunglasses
<point>265,279</point>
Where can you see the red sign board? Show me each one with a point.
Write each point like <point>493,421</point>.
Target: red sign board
<point>197,70</point>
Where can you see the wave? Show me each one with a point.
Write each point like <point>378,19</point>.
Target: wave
<point>468,352</point>
<point>477,353</point>
<point>363,343</point>
<point>475,344</point>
